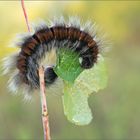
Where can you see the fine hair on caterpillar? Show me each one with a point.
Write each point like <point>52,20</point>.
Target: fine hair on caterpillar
<point>41,47</point>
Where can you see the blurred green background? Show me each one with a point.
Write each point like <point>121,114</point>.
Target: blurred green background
<point>115,109</point>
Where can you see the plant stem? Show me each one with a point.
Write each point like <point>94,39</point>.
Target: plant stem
<point>45,117</point>
<point>25,14</point>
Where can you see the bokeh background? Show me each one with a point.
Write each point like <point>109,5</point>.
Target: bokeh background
<point>115,109</point>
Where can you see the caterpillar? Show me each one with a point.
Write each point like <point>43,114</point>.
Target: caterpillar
<point>44,42</point>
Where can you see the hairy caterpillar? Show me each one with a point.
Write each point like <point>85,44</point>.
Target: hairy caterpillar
<point>43,45</point>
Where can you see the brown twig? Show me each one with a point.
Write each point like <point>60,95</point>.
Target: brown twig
<point>25,14</point>
<point>45,118</point>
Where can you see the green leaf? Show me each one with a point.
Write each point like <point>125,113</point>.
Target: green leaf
<point>76,106</point>
<point>75,98</point>
<point>93,79</point>
<point>67,66</point>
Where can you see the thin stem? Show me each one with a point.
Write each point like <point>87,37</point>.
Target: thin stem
<point>25,14</point>
<point>45,117</point>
